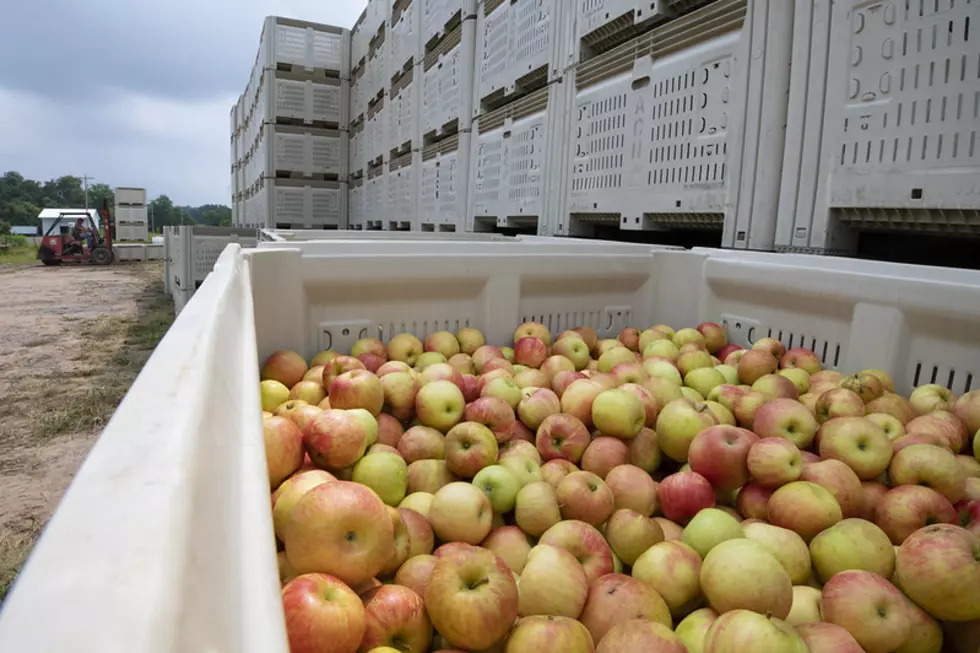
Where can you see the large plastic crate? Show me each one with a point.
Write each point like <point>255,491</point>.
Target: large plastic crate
<point>356,203</point>
<point>447,83</point>
<point>603,24</point>
<point>444,189</point>
<point>404,109</point>
<point>375,196</point>
<point>376,131</point>
<point>301,152</point>
<point>299,202</point>
<point>512,162</point>
<point>521,47</point>
<point>405,37</point>
<point>358,148</point>
<point>883,123</point>
<point>441,17</point>
<point>301,46</point>
<point>404,172</point>
<point>683,127</point>
<point>294,98</point>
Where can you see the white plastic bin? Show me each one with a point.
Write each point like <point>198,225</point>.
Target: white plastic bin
<point>304,47</point>
<point>603,24</point>
<point>292,98</point>
<point>444,189</point>
<point>301,203</point>
<point>440,17</point>
<point>358,148</point>
<point>891,142</point>
<point>403,192</point>
<point>683,126</point>
<point>375,196</point>
<point>190,541</point>
<point>405,37</point>
<point>376,131</point>
<point>447,83</point>
<point>404,109</point>
<point>302,152</point>
<point>357,203</point>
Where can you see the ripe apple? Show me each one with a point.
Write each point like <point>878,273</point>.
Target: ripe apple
<point>804,508</point>
<point>630,534</point>
<point>679,423</point>
<point>342,529</point>
<point>692,630</point>
<point>840,480</point>
<point>673,569</point>
<point>672,530</point>
<point>585,497</point>
<point>603,454</point>
<point>539,633</point>
<point>866,385</point>
<point>533,330</point>
<point>420,443</point>
<point>967,408</point>
<point>704,380</point>
<point>500,485</point>
<point>536,508</point>
<point>429,476</point>
<point>470,340</point>
<point>727,350</point>
<point>944,424</point>
<point>633,488</point>
<point>273,394</point>
<point>335,439</point>
<point>771,345</point>
<point>520,448</point>
<point>895,405</point>
<point>806,605</point>
<point>531,352</point>
<point>440,405</point>
<point>799,378</point>
<point>525,469</point>
<point>734,357</point>
<point>745,407</point>
<point>400,389</point>
<point>323,357</point>
<point>774,386</point>
<point>322,613</point>
<point>463,364</point>
<point>931,466</point>
<point>753,501</point>
<point>755,364</point>
<point>285,498</point>
<point>722,415</point>
<point>483,355</point>
<point>505,388</point>
<point>858,442</point>
<point>917,438</point>
<point>640,636</point>
<point>578,398</point>
<point>930,397</point>
<point>575,350</point>
<point>735,564</point>
<point>552,583</point>
<point>890,424</point>
<point>416,572</point>
<point>661,349</point>
<point>773,462</point>
<point>419,502</point>
<point>562,436</point>
<point>852,544</point>
<point>470,447</point>
<point>839,402</point>
<point>510,544</point>
<point>709,528</point>
<point>395,616</point>
<point>562,380</point>
<point>871,494</point>
<point>630,372</point>
<point>645,452</point>
<point>441,372</point>
<point>971,468</point>
<point>420,536</point>
<point>405,347</point>
<point>461,512</point>
<point>309,391</point>
<point>556,469</point>
<point>715,336</point>
<point>494,413</point>
<point>443,342</point>
<point>663,390</point>
<point>938,568</point>
<point>555,364</point>
<point>823,637</point>
<point>428,359</point>
<point>691,360</point>
<point>787,547</point>
<point>385,473</point>
<point>473,586</point>
<point>615,598</point>
<point>684,336</point>
<point>286,367</point>
<point>614,356</point>
<point>536,405</point>
<point>745,630</point>
<point>585,543</point>
<point>867,606</point>
<point>907,508</point>
<point>720,453</point>
<point>683,494</point>
<point>283,448</point>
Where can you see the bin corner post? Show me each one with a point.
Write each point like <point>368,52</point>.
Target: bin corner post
<point>500,304</point>
<point>278,300</point>
<point>879,338</point>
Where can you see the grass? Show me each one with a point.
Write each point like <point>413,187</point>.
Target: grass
<point>14,550</point>
<point>17,249</point>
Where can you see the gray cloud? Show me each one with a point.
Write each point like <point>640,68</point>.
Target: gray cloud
<point>134,93</point>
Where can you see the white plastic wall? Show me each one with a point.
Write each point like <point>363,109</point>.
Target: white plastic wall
<point>357,201</point>
<point>322,103</point>
<point>130,196</point>
<point>447,83</point>
<point>375,197</point>
<point>190,540</point>
<point>444,190</point>
<point>304,45</point>
<point>404,111</point>
<point>404,36</point>
<point>301,152</point>
<point>376,131</point>
<point>883,122</point>
<point>401,210</point>
<point>440,16</point>
<point>300,203</point>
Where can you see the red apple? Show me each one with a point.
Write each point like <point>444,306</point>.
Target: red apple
<point>931,466</point>
<point>775,386</point>
<point>562,380</point>
<point>867,606</point>
<point>286,367</point>
<point>720,454</point>
<point>335,439</point>
<point>585,543</point>
<point>400,390</point>
<point>483,355</point>
<point>552,583</point>
<point>895,405</point>
<point>470,388</point>
<point>338,366</point>
<point>745,408</point>
<point>839,402</point>
<point>322,614</point>
<point>603,454</point>
<point>585,497</point>
<point>283,449</point>
<point>429,476</point>
<point>774,462</point>
<point>536,405</point>
<point>633,488</point>
<point>804,508</point>
<point>578,397</point>
<point>755,364</point>
<point>858,442</point>
<point>645,452</point>
<point>540,633</point>
<point>944,424</point>
<point>821,637</point>
<point>615,598</point>
<point>967,408</point>
<point>907,508</point>
<point>421,442</point>
<point>531,352</point>
<point>802,358</point>
<point>715,336</point>
<point>872,493</point>
<point>840,480</point>
<point>494,413</point>
<point>416,572</point>
<point>510,544</point>
<point>771,345</point>
<point>395,616</point>
<point>562,436</point>
<point>683,494</point>
<point>753,501</point>
<point>420,536</point>
<point>553,471</point>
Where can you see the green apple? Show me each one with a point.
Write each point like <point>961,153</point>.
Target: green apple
<point>806,606</point>
<point>273,393</point>
<point>694,627</point>
<point>663,349</point>
<point>709,528</point>
<point>429,358</point>
<point>743,630</point>
<point>852,544</point>
<point>703,379</point>
<point>385,473</point>
<point>614,357</point>
<point>618,414</point>
<point>500,485</point>
<point>799,376</point>
<point>524,468</point>
<point>663,369</point>
<point>368,421</point>
<point>730,372</point>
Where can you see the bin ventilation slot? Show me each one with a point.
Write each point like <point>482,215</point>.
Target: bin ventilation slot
<point>745,331</point>
<point>959,382</point>
<point>558,322</point>
<point>422,328</point>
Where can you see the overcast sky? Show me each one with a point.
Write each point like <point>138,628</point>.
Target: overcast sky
<point>134,93</point>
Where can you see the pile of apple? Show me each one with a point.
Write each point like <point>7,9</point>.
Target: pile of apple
<point>659,492</point>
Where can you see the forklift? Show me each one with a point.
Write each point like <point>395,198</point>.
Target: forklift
<point>61,244</point>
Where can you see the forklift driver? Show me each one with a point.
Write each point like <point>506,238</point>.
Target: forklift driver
<point>81,232</point>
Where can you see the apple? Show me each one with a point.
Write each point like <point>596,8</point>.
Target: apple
<point>342,365</point>
<point>552,583</point>
<point>283,449</point>
<point>930,397</point>
<point>385,473</point>
<point>615,598</point>
<point>400,389</point>
<point>562,380</point>
<point>704,380</point>
<point>684,336</point>
<point>536,508</point>
<point>715,336</point>
<point>774,386</point>
<point>852,544</point>
<point>771,345</point>
<point>734,357</point>
<point>322,613</point>
<point>420,537</point>
<point>585,497</point>
<point>773,462</point>
<point>335,439</point>
<point>531,352</point>
<point>536,405</point>
<point>798,377</point>
<point>867,386</point>
<point>315,374</point>
<point>500,485</point>
<point>735,564</point>
<point>533,330</point>
<point>839,402</point>
<point>630,533</point>
<point>806,605</point>
<point>440,405</point>
<point>396,616</point>
<point>858,442</point>
<point>429,476</point>
<point>925,633</point>
<point>524,468</point>
<point>745,407</point>
<point>890,424</point>
<point>428,359</point>
<point>420,443</point>
<point>918,438</point>
<point>273,394</point>
<point>483,355</point>
<point>573,349</point>
<point>683,494</point>
<point>753,501</point>
<point>309,391</point>
<point>648,336</point>
<point>804,508</point>
<point>688,361</point>
<point>538,633</point>
<point>720,453</point>
<point>469,447</point>
<point>938,568</point>
<point>971,468</point>
<point>967,408</point>
<point>869,608</point>
<point>722,415</point>
<point>607,381</point>
<point>644,452</point>
<point>672,530</point>
<point>755,364</point>
<point>473,586</point>
<point>553,471</point>
<point>661,349</point>
<point>787,547</point>
<point>442,342</point>
<point>640,636</point>
<point>416,572</point>
<point>557,363</point>
<point>501,365</point>
<point>894,405</point>
<point>871,494</point>
<point>709,528</point>
<point>727,350</point>
<point>461,512</point>
<point>285,498</point>
<point>323,357</point>
<point>630,337</point>
<point>603,454</point>
<point>464,365</point>
<point>632,488</point>
<point>944,424</point>
<point>823,637</point>
<point>342,529</point>
<point>745,630</point>
<point>519,448</point>
<point>286,367</point>
<point>585,543</point>
<point>679,423</point>
<point>632,372</point>
<point>605,345</point>
<point>419,502</point>
<point>663,390</point>
<point>907,508</point>
<point>562,436</point>
<point>441,372</point>
<point>494,413</point>
<point>931,466</point>
<point>673,569</point>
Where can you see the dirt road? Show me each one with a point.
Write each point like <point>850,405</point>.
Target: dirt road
<point>72,340</point>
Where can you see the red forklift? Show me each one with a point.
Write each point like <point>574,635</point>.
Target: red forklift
<point>64,241</point>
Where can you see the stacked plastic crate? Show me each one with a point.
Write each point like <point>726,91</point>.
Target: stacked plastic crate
<point>447,92</point>
<point>677,118</point>
<point>523,46</point>
<point>130,214</point>
<point>882,133</point>
<point>236,159</point>
<point>295,135</point>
